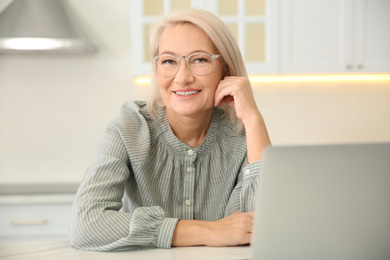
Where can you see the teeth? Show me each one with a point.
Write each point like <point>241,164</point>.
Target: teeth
<point>188,93</point>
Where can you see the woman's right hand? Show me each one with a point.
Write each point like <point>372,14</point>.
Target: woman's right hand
<point>232,230</point>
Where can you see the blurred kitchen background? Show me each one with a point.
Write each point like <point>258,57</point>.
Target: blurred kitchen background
<point>320,72</point>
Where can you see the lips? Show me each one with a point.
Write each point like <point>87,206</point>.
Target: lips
<point>186,93</point>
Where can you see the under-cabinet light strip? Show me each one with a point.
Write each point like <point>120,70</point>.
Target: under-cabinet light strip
<point>300,78</point>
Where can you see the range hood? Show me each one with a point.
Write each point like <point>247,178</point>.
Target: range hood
<point>40,26</point>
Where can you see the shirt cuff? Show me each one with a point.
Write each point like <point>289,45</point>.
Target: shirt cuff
<point>252,170</point>
<point>165,234</point>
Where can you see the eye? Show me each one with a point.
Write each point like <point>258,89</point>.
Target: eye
<point>167,61</point>
<point>200,60</point>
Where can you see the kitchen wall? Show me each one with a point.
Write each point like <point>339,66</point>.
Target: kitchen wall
<point>53,109</point>
<point>323,113</point>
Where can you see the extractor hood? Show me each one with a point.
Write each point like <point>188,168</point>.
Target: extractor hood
<point>41,26</point>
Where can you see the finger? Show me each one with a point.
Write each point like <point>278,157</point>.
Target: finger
<point>225,98</point>
<point>233,87</point>
<point>229,100</point>
<point>222,95</point>
<point>245,238</point>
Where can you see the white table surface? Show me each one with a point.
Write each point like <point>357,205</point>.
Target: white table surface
<point>58,250</point>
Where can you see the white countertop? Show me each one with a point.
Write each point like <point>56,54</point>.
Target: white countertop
<point>37,188</point>
<point>37,194</point>
<point>58,250</point>
<point>36,199</point>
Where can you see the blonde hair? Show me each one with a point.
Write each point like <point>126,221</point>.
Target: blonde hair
<point>218,33</point>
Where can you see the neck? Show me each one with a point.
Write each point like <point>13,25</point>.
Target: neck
<point>191,130</point>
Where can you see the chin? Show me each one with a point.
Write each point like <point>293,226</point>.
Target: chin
<point>189,111</point>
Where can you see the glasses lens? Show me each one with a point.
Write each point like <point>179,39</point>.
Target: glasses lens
<point>200,63</point>
<point>166,65</point>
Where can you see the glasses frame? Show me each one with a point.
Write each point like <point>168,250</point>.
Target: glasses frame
<point>212,56</point>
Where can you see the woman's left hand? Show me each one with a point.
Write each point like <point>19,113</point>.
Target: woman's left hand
<point>237,93</point>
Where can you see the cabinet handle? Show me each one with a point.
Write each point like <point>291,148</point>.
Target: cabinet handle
<point>28,222</point>
<point>360,66</point>
<point>349,66</point>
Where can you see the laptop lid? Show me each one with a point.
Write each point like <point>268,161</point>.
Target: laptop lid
<point>324,202</point>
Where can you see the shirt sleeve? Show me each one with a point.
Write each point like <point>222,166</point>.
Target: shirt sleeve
<point>97,223</point>
<point>250,186</point>
<point>244,195</point>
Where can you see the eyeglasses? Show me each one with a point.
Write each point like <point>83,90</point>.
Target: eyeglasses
<point>198,63</point>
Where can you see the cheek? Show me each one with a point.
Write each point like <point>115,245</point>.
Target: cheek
<point>214,86</point>
<point>163,83</point>
<point>211,87</point>
<point>214,82</point>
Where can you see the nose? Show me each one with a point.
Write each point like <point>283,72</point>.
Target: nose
<point>183,75</point>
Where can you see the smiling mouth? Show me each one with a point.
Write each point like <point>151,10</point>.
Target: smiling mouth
<point>186,93</point>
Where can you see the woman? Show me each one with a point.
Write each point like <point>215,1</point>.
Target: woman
<point>183,168</point>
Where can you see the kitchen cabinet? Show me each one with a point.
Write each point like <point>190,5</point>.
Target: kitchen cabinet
<point>35,217</point>
<point>286,36</point>
<point>334,36</point>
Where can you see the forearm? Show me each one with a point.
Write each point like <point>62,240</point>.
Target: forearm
<point>146,228</point>
<point>256,136</point>
<point>98,224</point>
<point>235,229</point>
<point>189,233</point>
<point>90,230</point>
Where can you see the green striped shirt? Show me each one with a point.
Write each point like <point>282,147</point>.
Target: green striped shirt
<point>143,179</point>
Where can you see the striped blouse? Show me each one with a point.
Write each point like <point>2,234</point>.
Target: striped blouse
<point>143,179</point>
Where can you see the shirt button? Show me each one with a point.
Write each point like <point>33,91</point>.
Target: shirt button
<point>188,202</point>
<point>247,172</point>
<point>189,169</point>
<point>190,152</point>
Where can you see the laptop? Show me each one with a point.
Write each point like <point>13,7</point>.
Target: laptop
<point>324,202</point>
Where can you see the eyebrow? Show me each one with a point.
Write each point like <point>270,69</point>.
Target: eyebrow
<point>174,54</point>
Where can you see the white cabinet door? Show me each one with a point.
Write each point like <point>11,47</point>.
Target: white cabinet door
<point>372,34</point>
<point>34,222</point>
<point>334,36</point>
<point>315,36</point>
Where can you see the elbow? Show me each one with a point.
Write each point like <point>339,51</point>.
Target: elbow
<point>85,239</point>
<point>78,238</point>
<point>82,236</point>
<point>89,232</point>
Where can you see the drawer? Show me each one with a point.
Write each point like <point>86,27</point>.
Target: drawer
<point>34,222</point>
